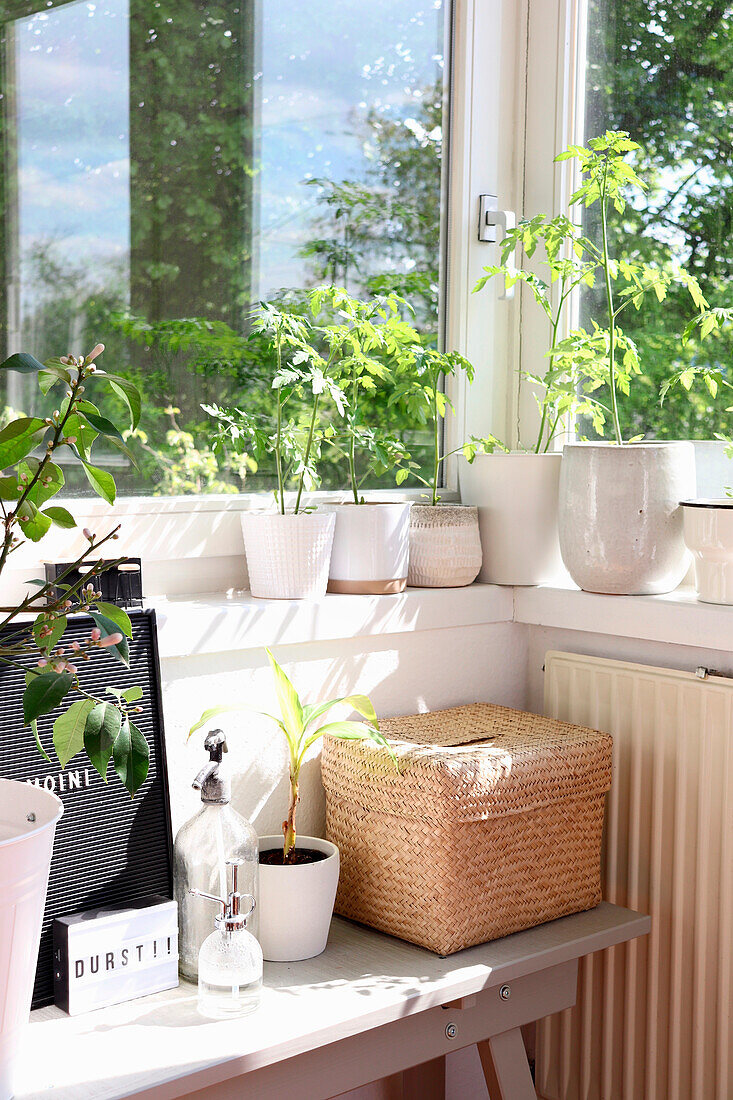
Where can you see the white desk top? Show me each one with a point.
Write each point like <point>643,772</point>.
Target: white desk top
<point>363,980</point>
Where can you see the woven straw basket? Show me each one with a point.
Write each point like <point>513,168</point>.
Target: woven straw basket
<point>493,824</point>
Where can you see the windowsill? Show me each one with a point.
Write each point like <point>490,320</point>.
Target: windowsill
<point>216,623</point>
<point>193,625</point>
<point>674,617</point>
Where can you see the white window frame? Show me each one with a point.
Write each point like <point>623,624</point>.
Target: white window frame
<point>514,104</point>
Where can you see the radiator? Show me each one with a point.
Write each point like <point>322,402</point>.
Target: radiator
<point>654,1019</point>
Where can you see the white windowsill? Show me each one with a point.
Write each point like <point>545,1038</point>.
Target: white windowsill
<point>193,625</point>
<point>675,617</point>
<point>215,623</point>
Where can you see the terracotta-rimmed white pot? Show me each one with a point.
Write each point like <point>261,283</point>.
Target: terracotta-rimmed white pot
<point>288,556</point>
<point>708,528</point>
<point>371,547</point>
<point>445,546</point>
<point>620,519</point>
<point>518,498</point>
<point>296,902</point>
<point>28,819</point>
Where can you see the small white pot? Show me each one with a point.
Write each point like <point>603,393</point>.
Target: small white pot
<point>518,497</point>
<point>296,903</point>
<point>371,547</point>
<point>288,556</point>
<point>25,860</point>
<point>620,520</point>
<point>708,527</point>
<point>445,546</point>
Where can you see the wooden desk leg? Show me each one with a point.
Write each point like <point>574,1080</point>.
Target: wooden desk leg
<point>505,1066</point>
<point>425,1082</point>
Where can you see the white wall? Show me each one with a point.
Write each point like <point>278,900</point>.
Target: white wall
<point>402,673</point>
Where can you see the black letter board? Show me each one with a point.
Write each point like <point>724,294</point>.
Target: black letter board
<point>110,849</point>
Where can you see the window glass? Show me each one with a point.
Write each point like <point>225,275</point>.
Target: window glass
<point>166,165</point>
<point>664,72</point>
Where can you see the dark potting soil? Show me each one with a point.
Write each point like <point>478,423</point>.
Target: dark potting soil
<point>274,858</point>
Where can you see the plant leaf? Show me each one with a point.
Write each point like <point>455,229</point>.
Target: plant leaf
<point>127,391</point>
<point>291,708</point>
<point>117,616</point>
<point>18,439</point>
<point>360,703</point>
<point>102,726</point>
<point>131,756</point>
<point>58,626</point>
<point>223,708</point>
<point>68,730</point>
<point>133,694</point>
<point>101,481</point>
<point>22,362</point>
<point>103,425</point>
<point>43,693</point>
<point>60,516</point>
<point>107,627</point>
<point>34,524</point>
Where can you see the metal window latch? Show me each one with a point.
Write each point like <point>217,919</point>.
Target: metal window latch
<point>493,225</point>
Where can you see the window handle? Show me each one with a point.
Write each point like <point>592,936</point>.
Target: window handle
<point>493,225</point>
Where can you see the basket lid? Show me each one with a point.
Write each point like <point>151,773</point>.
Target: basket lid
<point>469,763</point>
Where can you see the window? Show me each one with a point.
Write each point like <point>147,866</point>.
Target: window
<point>166,165</point>
<point>664,72</point>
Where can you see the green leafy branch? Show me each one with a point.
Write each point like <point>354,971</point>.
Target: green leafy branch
<point>27,484</point>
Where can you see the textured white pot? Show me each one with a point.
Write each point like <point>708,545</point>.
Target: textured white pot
<point>708,527</point>
<point>28,818</point>
<point>445,546</point>
<point>371,547</point>
<point>288,556</point>
<point>620,520</point>
<point>518,498</point>
<point>296,903</point>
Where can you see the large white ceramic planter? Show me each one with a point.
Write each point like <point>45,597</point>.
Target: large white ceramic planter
<point>620,520</point>
<point>518,498</point>
<point>28,818</point>
<point>445,546</point>
<point>708,528</point>
<point>288,556</point>
<point>371,547</point>
<point>296,903</point>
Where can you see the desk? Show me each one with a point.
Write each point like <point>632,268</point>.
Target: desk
<point>369,1007</point>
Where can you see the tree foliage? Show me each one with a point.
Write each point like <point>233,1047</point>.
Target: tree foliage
<point>664,73</point>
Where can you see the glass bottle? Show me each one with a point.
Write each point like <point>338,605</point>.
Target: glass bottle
<point>214,836</point>
<point>230,960</point>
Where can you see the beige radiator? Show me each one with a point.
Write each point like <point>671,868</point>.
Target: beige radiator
<point>654,1019</point>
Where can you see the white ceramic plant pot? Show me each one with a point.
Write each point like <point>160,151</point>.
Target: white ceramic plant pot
<point>288,556</point>
<point>28,819</point>
<point>445,546</point>
<point>296,902</point>
<point>708,527</point>
<point>518,497</point>
<point>371,547</point>
<point>620,520</point>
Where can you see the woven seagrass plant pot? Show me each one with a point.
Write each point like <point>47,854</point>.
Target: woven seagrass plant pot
<point>445,545</point>
<point>288,556</point>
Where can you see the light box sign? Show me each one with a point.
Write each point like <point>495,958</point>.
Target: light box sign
<point>105,956</point>
<point>111,850</point>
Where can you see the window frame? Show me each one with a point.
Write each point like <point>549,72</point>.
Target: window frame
<point>514,103</point>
